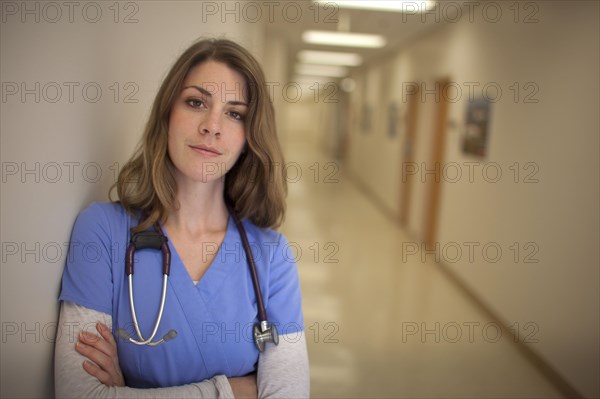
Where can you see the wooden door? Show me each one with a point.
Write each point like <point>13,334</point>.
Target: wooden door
<point>433,183</point>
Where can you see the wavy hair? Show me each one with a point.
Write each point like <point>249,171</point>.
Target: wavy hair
<point>255,185</point>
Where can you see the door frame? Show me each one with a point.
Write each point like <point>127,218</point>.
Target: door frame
<point>407,156</point>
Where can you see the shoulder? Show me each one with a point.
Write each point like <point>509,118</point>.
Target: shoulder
<point>100,211</point>
<point>268,236</point>
<point>272,244</point>
<point>278,275</point>
<point>103,215</point>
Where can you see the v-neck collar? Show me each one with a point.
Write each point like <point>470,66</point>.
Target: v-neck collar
<point>227,259</point>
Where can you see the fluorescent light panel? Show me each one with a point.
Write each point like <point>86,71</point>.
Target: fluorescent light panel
<point>383,5</point>
<point>329,58</point>
<point>343,39</point>
<point>308,82</point>
<point>333,71</point>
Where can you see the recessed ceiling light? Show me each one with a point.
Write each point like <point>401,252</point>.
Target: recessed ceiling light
<point>348,85</point>
<point>347,39</point>
<point>329,58</point>
<point>382,5</point>
<point>333,71</point>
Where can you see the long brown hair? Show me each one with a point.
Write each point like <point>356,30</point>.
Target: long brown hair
<point>255,184</point>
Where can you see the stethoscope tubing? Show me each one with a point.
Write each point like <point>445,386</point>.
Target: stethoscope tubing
<point>166,265</point>
<point>262,314</point>
<point>158,319</point>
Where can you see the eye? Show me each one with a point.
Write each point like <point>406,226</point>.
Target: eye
<point>194,102</point>
<point>236,115</point>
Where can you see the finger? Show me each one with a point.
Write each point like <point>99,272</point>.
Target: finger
<point>98,357</point>
<point>103,367</point>
<point>89,337</point>
<point>99,343</point>
<point>97,372</point>
<point>106,333</point>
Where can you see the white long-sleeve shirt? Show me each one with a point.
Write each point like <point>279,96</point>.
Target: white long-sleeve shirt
<point>282,370</point>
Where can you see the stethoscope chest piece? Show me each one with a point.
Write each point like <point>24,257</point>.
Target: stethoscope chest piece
<point>265,332</point>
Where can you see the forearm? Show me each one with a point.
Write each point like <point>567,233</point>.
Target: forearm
<point>206,389</point>
<point>71,380</point>
<point>283,369</point>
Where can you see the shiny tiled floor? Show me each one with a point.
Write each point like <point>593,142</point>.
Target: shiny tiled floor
<point>371,318</point>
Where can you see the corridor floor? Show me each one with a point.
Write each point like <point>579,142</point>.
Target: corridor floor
<point>377,325</point>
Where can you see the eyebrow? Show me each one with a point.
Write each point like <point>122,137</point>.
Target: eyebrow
<point>209,94</point>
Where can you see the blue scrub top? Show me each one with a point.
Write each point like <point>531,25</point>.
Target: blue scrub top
<point>213,319</point>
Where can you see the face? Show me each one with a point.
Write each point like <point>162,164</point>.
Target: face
<point>207,130</point>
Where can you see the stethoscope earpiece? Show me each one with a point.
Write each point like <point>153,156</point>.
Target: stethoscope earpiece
<point>123,334</point>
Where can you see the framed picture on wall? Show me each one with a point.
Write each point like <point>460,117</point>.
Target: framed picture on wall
<point>476,133</point>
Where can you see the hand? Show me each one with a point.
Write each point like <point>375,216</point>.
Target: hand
<point>244,387</point>
<point>102,351</point>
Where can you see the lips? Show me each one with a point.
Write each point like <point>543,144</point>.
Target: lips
<point>205,149</point>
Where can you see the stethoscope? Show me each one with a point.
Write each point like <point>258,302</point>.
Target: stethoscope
<point>263,331</point>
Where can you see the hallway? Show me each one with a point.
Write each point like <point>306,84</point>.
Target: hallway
<point>475,123</point>
<point>379,325</point>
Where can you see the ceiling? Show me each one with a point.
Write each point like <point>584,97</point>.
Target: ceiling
<point>291,20</point>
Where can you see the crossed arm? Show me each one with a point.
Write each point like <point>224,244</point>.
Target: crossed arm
<point>282,370</point>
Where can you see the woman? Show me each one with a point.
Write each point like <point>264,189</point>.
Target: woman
<point>210,140</point>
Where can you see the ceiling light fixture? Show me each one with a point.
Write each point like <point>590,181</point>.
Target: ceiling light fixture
<point>343,39</point>
<point>332,71</point>
<point>312,82</point>
<point>383,5</point>
<point>329,58</point>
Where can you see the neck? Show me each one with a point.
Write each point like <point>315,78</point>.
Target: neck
<point>201,208</point>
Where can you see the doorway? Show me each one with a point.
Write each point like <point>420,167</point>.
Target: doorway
<point>407,177</point>
<point>433,185</point>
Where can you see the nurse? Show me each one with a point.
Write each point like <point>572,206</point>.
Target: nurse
<point>210,137</point>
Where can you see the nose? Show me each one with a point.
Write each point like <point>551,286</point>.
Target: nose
<point>210,124</point>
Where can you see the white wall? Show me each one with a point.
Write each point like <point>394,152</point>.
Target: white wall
<point>275,68</point>
<point>70,141</point>
<point>558,215</point>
